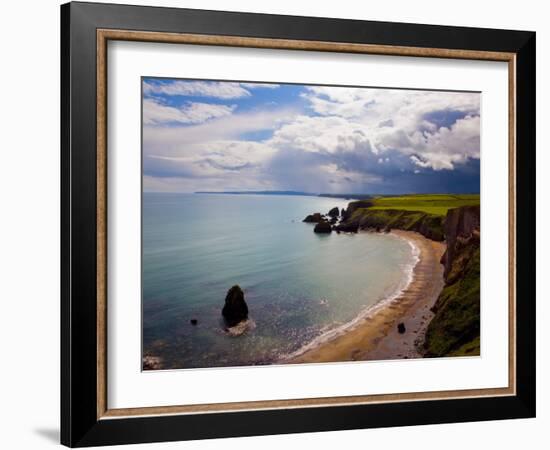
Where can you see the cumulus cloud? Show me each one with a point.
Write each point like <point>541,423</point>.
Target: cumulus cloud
<point>212,155</point>
<point>443,127</point>
<point>320,134</point>
<point>215,89</point>
<point>178,141</point>
<point>260,85</point>
<point>232,164</point>
<point>155,113</point>
<point>449,146</point>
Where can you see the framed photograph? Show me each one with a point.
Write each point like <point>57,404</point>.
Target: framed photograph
<point>277,224</point>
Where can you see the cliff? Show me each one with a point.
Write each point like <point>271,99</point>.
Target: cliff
<point>455,328</point>
<point>359,215</point>
<point>461,225</point>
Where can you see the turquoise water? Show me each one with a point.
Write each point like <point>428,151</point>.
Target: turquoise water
<point>298,285</point>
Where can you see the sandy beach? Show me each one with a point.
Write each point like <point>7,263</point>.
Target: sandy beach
<point>376,337</point>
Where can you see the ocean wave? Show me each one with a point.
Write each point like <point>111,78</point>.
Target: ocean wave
<point>328,333</point>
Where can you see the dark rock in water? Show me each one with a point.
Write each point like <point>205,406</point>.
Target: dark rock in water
<point>343,212</point>
<point>235,309</point>
<point>333,220</point>
<point>378,229</point>
<point>323,227</point>
<point>313,218</point>
<point>334,212</point>
<point>387,230</point>
<point>401,328</point>
<point>194,321</point>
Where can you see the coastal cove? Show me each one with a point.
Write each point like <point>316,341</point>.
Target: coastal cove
<point>376,336</point>
<point>300,287</point>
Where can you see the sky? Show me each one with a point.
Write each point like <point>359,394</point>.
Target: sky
<point>233,136</point>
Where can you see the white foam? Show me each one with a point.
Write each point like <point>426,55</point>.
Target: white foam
<point>241,328</point>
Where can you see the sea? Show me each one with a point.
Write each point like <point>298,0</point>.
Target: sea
<point>301,288</point>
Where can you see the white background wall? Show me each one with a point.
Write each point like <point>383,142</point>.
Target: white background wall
<point>29,223</point>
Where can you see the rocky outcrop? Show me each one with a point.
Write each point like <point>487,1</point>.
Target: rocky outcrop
<point>313,218</point>
<point>455,328</point>
<point>323,227</point>
<point>354,206</point>
<point>235,309</point>
<point>334,212</point>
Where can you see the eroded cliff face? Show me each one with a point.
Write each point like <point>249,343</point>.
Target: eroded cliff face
<point>454,330</point>
<point>354,206</point>
<point>462,225</point>
<point>359,216</point>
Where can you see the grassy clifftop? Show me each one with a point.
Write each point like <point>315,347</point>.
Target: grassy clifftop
<point>424,214</point>
<point>433,204</point>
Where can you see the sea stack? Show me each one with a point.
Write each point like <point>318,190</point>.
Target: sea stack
<point>334,212</point>
<point>235,309</point>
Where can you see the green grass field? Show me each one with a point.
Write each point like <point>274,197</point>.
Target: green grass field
<point>437,204</point>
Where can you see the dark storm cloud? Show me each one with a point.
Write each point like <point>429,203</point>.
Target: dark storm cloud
<point>389,173</point>
<point>463,179</point>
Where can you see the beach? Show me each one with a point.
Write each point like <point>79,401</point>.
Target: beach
<point>376,337</point>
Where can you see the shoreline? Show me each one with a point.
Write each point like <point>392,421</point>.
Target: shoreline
<point>376,336</point>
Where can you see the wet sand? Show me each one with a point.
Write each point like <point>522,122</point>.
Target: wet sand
<point>377,337</point>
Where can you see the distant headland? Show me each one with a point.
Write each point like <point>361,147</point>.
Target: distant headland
<point>307,194</point>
